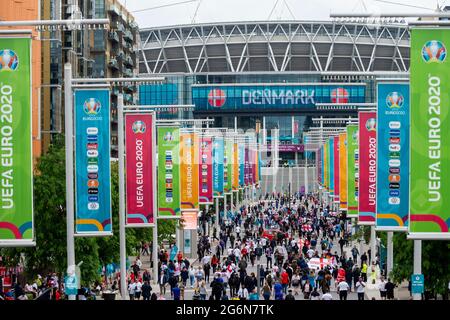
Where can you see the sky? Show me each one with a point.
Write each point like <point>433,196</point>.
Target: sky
<point>257,10</point>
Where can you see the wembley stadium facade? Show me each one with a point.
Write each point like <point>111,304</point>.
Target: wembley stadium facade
<point>278,74</point>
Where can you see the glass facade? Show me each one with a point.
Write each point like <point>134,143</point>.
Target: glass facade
<point>244,104</point>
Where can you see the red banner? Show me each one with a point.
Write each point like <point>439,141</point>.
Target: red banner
<point>140,174</point>
<point>336,167</point>
<point>367,167</point>
<point>205,171</point>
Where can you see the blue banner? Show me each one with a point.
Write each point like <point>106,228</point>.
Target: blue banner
<point>241,155</point>
<point>218,171</point>
<point>393,156</point>
<point>92,158</point>
<point>281,96</point>
<point>331,167</point>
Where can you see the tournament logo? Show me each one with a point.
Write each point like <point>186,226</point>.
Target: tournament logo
<point>168,136</point>
<point>434,51</point>
<point>92,106</point>
<point>139,127</point>
<point>217,98</point>
<point>371,124</point>
<point>9,61</point>
<point>395,100</point>
<point>339,95</point>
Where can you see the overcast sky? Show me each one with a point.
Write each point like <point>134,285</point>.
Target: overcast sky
<point>252,10</point>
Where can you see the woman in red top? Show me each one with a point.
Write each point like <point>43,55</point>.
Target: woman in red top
<point>284,280</point>
<point>214,262</point>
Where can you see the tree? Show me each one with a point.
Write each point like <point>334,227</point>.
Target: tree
<point>435,263</point>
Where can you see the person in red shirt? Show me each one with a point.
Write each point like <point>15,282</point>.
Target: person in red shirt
<point>284,280</point>
<point>179,257</point>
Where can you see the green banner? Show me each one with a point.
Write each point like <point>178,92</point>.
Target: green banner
<point>169,172</point>
<point>16,157</point>
<point>352,171</point>
<point>228,167</point>
<point>430,140</point>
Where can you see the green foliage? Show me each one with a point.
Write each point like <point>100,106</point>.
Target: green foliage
<point>362,232</point>
<point>50,253</point>
<point>435,262</point>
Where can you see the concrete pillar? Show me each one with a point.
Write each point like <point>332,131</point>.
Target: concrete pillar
<point>417,263</point>
<point>390,253</point>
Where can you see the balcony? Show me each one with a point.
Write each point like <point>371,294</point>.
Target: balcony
<point>112,63</point>
<point>128,35</point>
<point>113,10</point>
<point>127,73</point>
<point>134,25</point>
<point>128,61</point>
<point>128,98</point>
<point>113,36</point>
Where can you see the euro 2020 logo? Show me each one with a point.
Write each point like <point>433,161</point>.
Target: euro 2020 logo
<point>395,100</point>
<point>434,51</point>
<point>371,124</point>
<point>139,127</point>
<point>92,106</point>
<point>9,61</point>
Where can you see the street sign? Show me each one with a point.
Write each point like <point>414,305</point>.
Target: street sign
<point>417,284</point>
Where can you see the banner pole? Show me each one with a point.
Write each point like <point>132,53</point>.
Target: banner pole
<point>373,243</point>
<point>122,235</point>
<point>417,264</point>
<point>217,217</point>
<point>68,102</point>
<point>390,253</point>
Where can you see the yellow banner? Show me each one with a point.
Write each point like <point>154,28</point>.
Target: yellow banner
<point>235,163</point>
<point>343,170</point>
<point>189,170</point>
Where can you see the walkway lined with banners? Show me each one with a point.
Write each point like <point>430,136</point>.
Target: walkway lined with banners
<point>300,247</point>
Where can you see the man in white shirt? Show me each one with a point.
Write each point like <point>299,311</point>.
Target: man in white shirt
<point>327,296</point>
<point>343,288</point>
<point>243,293</point>
<point>382,288</point>
<point>131,290</point>
<point>360,288</point>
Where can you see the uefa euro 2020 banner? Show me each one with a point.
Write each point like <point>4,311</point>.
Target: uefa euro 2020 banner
<point>352,171</point>
<point>205,171</point>
<point>189,171</point>
<point>336,168</point>
<point>331,165</point>
<point>326,160</point>
<point>430,140</point>
<point>218,171</point>
<point>168,172</point>
<point>228,166</point>
<point>241,156</point>
<point>140,144</point>
<point>343,171</point>
<point>16,170</point>
<point>235,184</point>
<point>93,165</point>
<point>393,156</point>
<point>367,167</point>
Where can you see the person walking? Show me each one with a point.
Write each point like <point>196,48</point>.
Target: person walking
<point>146,290</point>
<point>326,296</point>
<point>382,288</point>
<point>360,288</point>
<point>343,288</point>
<point>355,254</point>
<point>266,291</point>
<point>243,293</point>
<point>389,286</point>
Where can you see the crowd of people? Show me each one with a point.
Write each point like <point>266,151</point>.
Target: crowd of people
<point>287,247</point>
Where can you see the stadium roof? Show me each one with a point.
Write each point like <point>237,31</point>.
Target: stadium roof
<point>275,46</point>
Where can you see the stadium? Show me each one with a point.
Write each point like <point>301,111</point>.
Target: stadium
<point>276,74</point>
